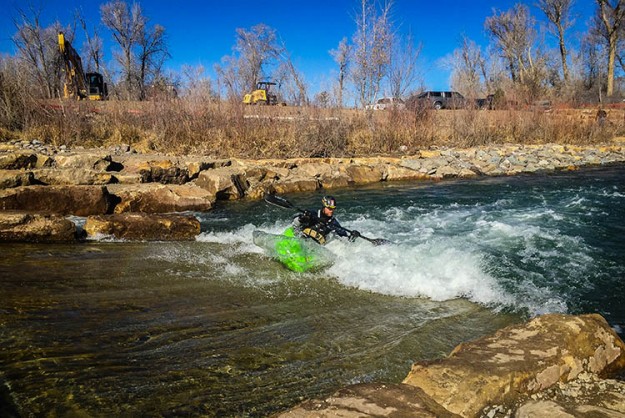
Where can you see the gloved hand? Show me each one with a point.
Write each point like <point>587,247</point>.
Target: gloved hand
<point>306,216</point>
<point>354,234</point>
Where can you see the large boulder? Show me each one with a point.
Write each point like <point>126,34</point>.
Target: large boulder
<point>144,227</point>
<point>362,174</point>
<point>160,198</point>
<point>226,183</point>
<point>62,200</point>
<point>372,400</point>
<point>25,227</point>
<point>295,184</point>
<point>526,358</point>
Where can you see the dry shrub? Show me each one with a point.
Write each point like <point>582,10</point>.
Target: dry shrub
<point>230,129</point>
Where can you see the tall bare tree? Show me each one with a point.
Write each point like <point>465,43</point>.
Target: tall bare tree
<point>559,14</point>
<point>93,46</point>
<point>403,68</point>
<point>151,56</point>
<point>609,22</point>
<point>372,48</point>
<point>469,69</point>
<point>341,56</point>
<point>258,49</point>
<point>38,49</point>
<point>513,32</point>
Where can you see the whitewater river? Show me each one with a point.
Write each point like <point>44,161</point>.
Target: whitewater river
<point>214,327</point>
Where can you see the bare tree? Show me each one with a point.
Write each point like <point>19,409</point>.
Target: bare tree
<point>151,56</point>
<point>514,33</point>
<point>403,69</point>
<point>372,49</point>
<point>38,48</point>
<point>559,14</point>
<point>292,82</point>
<point>609,22</point>
<point>469,69</point>
<point>341,56</point>
<point>126,25</point>
<point>93,46</point>
<point>258,49</point>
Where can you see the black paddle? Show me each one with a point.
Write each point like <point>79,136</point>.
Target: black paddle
<point>283,203</point>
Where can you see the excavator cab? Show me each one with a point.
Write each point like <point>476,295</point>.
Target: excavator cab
<point>98,90</point>
<point>262,95</point>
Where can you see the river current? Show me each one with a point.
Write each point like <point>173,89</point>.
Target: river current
<point>214,327</point>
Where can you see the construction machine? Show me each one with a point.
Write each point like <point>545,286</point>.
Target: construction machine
<point>262,95</point>
<point>79,85</point>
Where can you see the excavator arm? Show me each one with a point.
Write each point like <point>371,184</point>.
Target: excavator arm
<point>75,80</point>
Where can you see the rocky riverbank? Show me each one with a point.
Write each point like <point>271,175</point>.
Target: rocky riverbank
<point>552,366</point>
<point>55,182</point>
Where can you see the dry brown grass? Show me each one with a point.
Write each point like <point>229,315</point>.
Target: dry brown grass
<point>234,130</point>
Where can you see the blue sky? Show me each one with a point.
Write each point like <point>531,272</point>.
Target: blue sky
<point>202,32</point>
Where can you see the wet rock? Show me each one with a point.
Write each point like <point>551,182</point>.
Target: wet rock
<point>62,200</point>
<point>25,227</point>
<point>372,400</point>
<point>525,358</point>
<point>144,227</point>
<point>160,198</point>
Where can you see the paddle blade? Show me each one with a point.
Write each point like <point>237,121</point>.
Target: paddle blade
<point>380,241</point>
<point>278,201</point>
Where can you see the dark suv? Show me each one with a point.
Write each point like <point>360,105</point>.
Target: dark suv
<point>441,100</point>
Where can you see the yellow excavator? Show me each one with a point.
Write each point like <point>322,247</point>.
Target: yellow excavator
<point>79,85</point>
<point>262,95</point>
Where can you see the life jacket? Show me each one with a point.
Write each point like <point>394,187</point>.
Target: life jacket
<point>316,235</point>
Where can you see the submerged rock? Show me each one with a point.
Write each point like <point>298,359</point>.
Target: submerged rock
<point>372,400</point>
<point>144,227</point>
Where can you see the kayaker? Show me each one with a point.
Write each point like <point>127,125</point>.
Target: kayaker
<point>317,224</point>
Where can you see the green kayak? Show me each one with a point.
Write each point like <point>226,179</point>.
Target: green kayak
<point>297,254</point>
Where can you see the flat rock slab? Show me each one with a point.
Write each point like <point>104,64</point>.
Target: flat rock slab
<point>144,227</point>
<point>61,200</point>
<point>25,227</point>
<point>372,400</point>
<point>160,198</point>
<point>526,358</point>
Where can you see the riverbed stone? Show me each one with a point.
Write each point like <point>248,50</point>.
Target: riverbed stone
<point>526,358</point>
<point>160,198</point>
<point>62,200</point>
<point>27,227</point>
<point>144,227</point>
<point>372,400</point>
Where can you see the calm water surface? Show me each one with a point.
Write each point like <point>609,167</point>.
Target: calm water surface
<point>215,327</point>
